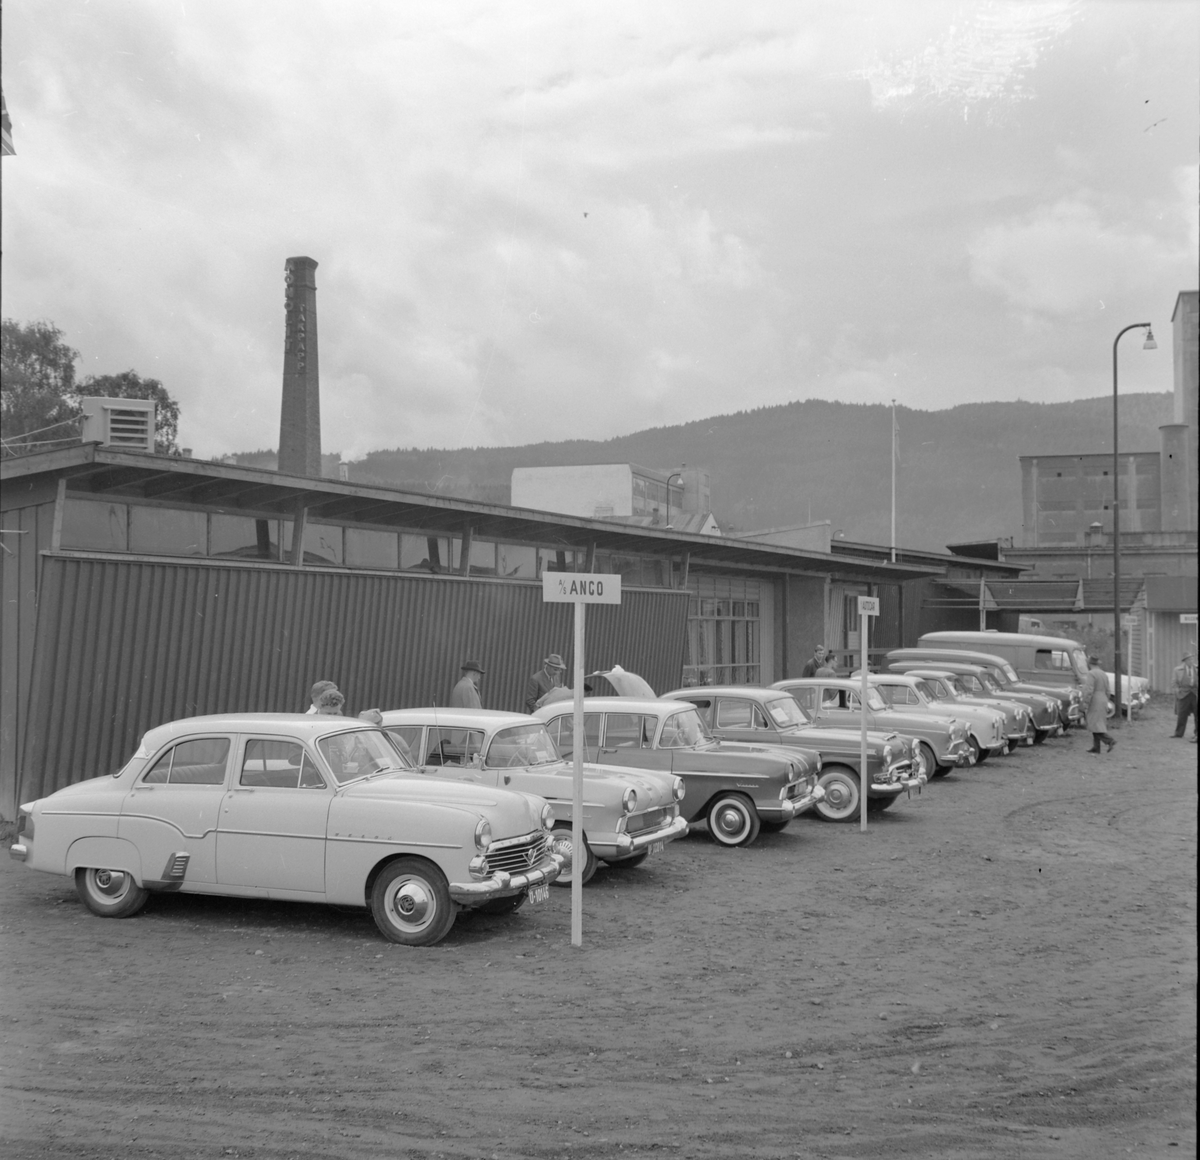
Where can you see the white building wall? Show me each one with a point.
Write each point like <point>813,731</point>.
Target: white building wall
<point>595,490</point>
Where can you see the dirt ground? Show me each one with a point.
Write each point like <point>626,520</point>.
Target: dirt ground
<point>1002,967</point>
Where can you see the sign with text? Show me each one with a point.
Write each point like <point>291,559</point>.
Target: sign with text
<point>580,588</point>
<point>1187,618</point>
<point>868,606</point>
<point>1128,621</point>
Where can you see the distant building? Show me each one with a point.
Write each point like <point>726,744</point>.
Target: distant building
<point>1067,518</point>
<point>644,496</point>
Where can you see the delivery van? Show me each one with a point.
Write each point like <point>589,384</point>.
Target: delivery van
<point>1046,660</point>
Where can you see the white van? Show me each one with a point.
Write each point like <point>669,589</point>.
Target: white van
<point>1048,660</point>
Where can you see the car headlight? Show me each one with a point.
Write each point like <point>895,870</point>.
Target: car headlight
<point>629,800</point>
<point>483,835</point>
<point>887,755</point>
<point>678,789</point>
<point>547,818</point>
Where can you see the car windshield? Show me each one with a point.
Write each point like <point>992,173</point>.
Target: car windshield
<point>359,753</point>
<point>682,730</point>
<point>999,677</point>
<point>932,689</point>
<point>985,679</point>
<point>786,713</point>
<point>875,702</point>
<point>521,745</point>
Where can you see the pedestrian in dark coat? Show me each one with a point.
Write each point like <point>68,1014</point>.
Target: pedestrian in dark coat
<point>1096,693</point>
<point>816,661</point>
<point>549,676</point>
<point>465,695</point>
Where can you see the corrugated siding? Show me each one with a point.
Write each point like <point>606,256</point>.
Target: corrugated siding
<point>27,533</point>
<point>1166,640</point>
<point>126,645</point>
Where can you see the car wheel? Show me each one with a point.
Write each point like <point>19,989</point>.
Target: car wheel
<point>1040,735</point>
<point>932,769</point>
<point>502,906</point>
<point>411,904</point>
<point>632,860</point>
<point>563,842</point>
<point>733,820</point>
<point>978,753</point>
<point>109,893</point>
<point>841,794</point>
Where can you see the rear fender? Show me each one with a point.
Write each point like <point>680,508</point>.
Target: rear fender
<point>106,854</point>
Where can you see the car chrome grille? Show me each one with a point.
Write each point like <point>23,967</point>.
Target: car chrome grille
<point>516,855</point>
<point>650,820</point>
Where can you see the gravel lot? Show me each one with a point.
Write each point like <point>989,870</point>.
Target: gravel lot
<point>1004,966</point>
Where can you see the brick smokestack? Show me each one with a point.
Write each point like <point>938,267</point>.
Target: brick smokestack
<point>300,417</point>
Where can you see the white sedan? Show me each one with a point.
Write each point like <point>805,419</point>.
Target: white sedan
<point>309,808</point>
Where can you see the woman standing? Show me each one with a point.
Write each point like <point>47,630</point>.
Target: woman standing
<point>1096,693</point>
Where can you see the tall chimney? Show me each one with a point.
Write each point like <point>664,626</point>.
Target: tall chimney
<point>300,417</point>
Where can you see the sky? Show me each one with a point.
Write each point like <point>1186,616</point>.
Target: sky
<point>542,221</point>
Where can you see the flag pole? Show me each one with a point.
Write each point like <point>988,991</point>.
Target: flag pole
<point>893,481</point>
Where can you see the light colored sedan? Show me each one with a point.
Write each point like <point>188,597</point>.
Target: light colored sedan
<point>985,726</point>
<point>627,814</point>
<point>953,689</point>
<point>307,808</point>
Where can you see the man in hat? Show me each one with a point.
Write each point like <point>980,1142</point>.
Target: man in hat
<point>549,676</point>
<point>465,695</point>
<point>1184,681</point>
<point>1095,693</point>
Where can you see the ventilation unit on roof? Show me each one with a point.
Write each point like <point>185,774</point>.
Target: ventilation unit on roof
<point>123,424</point>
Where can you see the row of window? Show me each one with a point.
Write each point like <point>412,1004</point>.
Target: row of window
<point>117,527</point>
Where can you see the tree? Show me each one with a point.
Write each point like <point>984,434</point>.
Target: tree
<point>38,370</point>
<point>40,399</point>
<point>130,385</point>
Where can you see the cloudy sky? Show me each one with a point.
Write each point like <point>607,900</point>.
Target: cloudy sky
<point>566,220</point>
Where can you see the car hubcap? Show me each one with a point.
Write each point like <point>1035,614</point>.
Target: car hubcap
<point>731,822</point>
<point>110,883</point>
<point>564,845</point>
<point>837,795</point>
<point>412,904</point>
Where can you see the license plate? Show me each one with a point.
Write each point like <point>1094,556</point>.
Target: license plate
<point>538,893</point>
<point>656,847</point>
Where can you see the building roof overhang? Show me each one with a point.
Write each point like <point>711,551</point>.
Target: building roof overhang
<point>93,471</point>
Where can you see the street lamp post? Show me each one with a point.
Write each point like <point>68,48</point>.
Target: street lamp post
<point>1149,344</point>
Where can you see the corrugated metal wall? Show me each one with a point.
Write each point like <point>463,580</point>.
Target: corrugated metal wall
<point>122,646</point>
<point>27,531</point>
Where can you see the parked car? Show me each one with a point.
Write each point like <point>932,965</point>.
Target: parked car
<point>1135,694</point>
<point>953,689</point>
<point>1055,707</point>
<point>1042,660</point>
<point>627,814</point>
<point>746,714</point>
<point>910,694</point>
<point>835,702</point>
<point>737,790</point>
<point>309,808</point>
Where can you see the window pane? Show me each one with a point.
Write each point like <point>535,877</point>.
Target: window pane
<point>323,544</point>
<point>200,762</point>
<point>483,557</point>
<point>367,549</point>
<point>734,715</point>
<point>626,731</point>
<point>424,553</point>
<point>556,560</point>
<point>168,531</point>
<point>243,537</point>
<point>99,526</point>
<point>516,560</point>
<point>453,746</point>
<point>275,764</point>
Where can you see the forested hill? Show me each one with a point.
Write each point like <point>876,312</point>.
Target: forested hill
<point>958,478</point>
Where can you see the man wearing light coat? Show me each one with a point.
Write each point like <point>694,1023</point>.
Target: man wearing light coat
<point>1095,692</point>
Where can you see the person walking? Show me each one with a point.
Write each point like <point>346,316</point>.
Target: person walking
<point>549,676</point>
<point>465,695</point>
<point>1096,695</point>
<point>1184,681</point>
<point>816,661</point>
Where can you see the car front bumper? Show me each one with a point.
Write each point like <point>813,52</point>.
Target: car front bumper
<point>958,754</point>
<point>893,788</point>
<point>625,846</point>
<point>784,811</point>
<point>18,851</point>
<point>502,884</point>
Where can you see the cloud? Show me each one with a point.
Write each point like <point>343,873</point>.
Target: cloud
<point>1065,258</point>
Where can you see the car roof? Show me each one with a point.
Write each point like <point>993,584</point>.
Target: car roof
<point>622,705</point>
<point>955,667</point>
<point>307,726</point>
<point>975,658</point>
<point>808,682</point>
<point>723,691</point>
<point>895,678</point>
<point>485,718</point>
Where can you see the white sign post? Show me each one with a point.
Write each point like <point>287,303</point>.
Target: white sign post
<point>868,606</point>
<point>578,588</point>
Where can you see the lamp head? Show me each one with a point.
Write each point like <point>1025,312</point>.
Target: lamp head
<point>1149,344</point>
